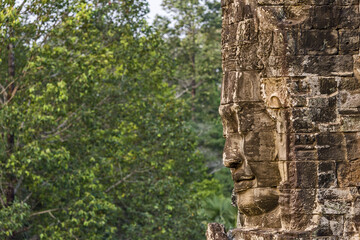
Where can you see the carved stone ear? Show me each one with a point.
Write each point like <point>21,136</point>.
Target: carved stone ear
<point>274,92</point>
<point>275,102</point>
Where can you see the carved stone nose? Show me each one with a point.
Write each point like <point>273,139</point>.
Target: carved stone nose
<point>233,155</point>
<point>232,163</point>
<point>243,173</point>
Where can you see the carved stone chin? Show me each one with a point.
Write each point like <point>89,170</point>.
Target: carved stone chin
<point>257,201</point>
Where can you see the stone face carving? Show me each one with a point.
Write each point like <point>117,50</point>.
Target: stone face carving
<point>251,155</point>
<point>290,108</point>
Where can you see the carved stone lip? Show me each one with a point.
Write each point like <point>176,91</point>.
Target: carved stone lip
<point>243,185</point>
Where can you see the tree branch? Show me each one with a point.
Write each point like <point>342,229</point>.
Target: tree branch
<point>119,182</point>
<point>18,184</point>
<point>187,89</point>
<point>27,197</point>
<point>124,179</point>
<point>2,201</point>
<point>43,212</point>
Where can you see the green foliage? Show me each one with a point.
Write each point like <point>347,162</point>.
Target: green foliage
<point>13,218</point>
<point>214,196</point>
<point>192,35</point>
<point>210,141</point>
<point>224,177</point>
<point>218,208</point>
<point>99,118</point>
<point>94,144</point>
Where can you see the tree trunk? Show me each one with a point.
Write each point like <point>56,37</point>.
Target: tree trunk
<point>10,136</point>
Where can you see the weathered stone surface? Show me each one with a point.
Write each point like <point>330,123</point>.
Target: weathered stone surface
<point>348,41</point>
<point>240,86</point>
<point>268,235</point>
<point>334,65</point>
<point>290,106</point>
<point>349,173</point>
<point>216,231</point>
<point>319,42</point>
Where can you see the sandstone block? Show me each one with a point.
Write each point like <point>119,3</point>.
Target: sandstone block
<point>348,41</point>
<point>290,106</point>
<point>349,173</point>
<point>319,42</point>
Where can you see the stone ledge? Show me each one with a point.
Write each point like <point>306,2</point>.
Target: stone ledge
<point>256,234</point>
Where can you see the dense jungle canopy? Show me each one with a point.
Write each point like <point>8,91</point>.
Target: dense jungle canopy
<point>109,124</point>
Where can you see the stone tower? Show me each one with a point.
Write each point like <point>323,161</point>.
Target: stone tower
<point>290,107</point>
